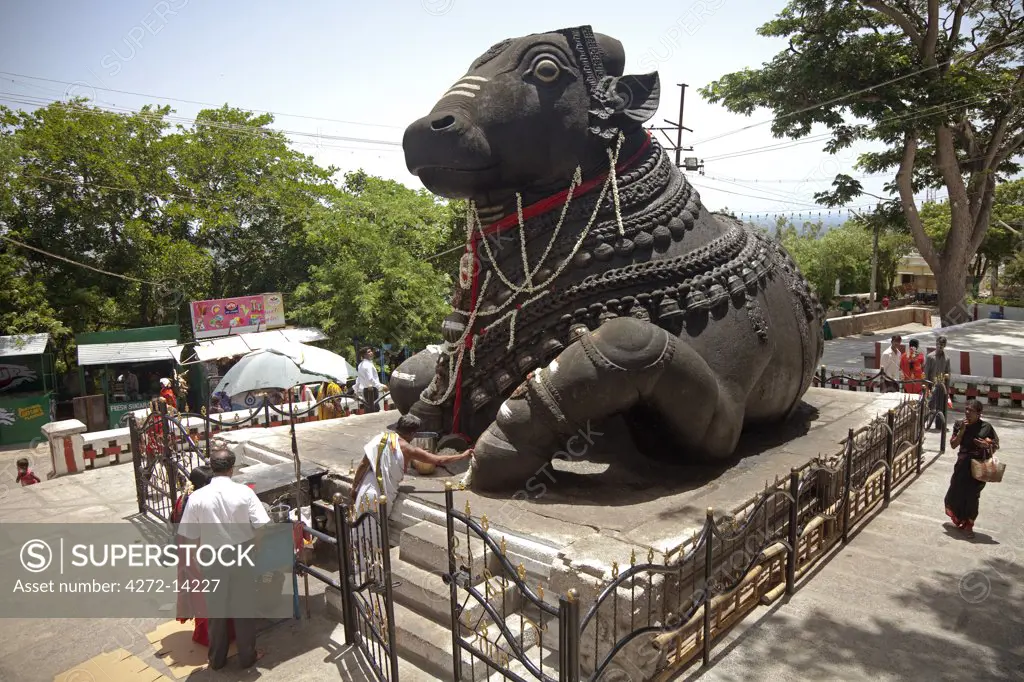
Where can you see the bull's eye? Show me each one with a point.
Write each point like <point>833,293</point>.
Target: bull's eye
<point>546,70</point>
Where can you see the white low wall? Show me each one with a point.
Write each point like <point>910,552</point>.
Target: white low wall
<point>73,450</point>
<point>981,311</point>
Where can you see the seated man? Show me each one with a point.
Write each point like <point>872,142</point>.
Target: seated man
<point>385,462</point>
<point>387,457</point>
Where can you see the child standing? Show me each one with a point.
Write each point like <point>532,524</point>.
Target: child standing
<point>25,475</point>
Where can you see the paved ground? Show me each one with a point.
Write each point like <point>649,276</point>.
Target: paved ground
<point>907,599</point>
<point>998,337</point>
<point>847,352</point>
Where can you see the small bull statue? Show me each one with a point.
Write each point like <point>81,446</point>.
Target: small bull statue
<point>594,282</point>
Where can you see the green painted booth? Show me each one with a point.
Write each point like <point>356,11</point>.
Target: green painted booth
<point>27,387</point>
<point>122,369</point>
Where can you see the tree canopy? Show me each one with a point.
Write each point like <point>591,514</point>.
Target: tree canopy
<point>844,254</point>
<point>1001,243</point>
<point>939,84</point>
<point>221,207</point>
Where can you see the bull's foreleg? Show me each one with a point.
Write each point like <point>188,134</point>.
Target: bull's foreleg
<point>625,362</point>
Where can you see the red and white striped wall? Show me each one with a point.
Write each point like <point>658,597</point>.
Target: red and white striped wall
<point>972,363</point>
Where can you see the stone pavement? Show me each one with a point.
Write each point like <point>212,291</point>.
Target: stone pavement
<point>847,352</point>
<point>611,491</point>
<point>907,598</point>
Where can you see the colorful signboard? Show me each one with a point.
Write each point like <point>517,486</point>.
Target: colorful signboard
<point>239,315</point>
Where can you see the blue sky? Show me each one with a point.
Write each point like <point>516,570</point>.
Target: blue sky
<point>386,63</point>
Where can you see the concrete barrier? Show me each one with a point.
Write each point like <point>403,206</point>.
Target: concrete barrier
<point>65,438</point>
<point>1005,395</point>
<point>882,319</point>
<point>72,450</point>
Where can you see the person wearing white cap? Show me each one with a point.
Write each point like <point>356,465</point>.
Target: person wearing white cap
<point>167,393</point>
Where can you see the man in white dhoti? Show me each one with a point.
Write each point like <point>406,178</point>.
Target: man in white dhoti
<point>385,461</point>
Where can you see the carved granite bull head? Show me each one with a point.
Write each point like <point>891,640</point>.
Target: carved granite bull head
<point>526,114</point>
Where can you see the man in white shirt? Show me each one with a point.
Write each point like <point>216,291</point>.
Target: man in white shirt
<point>367,384</point>
<point>226,513</point>
<point>890,364</point>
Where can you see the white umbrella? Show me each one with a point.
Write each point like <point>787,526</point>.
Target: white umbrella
<point>283,366</point>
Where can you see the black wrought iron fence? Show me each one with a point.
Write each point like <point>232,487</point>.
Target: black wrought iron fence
<point>499,623</point>
<point>163,454</point>
<point>655,618</point>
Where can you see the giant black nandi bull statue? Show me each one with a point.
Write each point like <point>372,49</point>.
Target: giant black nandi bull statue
<point>594,282</point>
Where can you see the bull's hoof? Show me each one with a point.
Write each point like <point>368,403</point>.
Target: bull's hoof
<point>497,464</point>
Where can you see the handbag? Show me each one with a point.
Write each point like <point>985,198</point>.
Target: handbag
<point>988,471</point>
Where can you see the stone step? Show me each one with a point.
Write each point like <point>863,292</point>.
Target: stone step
<point>426,593</point>
<point>425,545</point>
<point>524,631</point>
<point>428,645</point>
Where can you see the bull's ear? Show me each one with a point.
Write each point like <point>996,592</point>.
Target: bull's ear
<point>638,97</point>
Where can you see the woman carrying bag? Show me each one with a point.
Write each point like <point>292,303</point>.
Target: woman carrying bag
<point>978,442</point>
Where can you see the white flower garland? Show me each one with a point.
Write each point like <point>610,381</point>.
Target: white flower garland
<point>457,351</point>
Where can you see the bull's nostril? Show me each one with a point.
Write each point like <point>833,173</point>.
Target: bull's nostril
<point>442,123</point>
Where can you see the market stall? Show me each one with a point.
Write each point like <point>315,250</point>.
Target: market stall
<point>27,387</point>
<point>122,369</point>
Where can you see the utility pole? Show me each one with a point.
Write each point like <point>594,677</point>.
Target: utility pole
<point>690,163</point>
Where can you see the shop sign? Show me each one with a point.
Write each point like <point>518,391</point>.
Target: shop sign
<point>239,315</point>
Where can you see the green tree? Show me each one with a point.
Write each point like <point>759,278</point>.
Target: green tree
<point>939,84</point>
<point>78,178</point>
<point>1000,243</point>
<point>374,276</point>
<point>1014,278</point>
<point>23,305</point>
<point>223,207</point>
<point>247,198</point>
<point>843,253</point>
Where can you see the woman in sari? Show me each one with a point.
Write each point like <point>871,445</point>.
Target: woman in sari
<point>332,408</point>
<point>912,367</point>
<point>976,440</point>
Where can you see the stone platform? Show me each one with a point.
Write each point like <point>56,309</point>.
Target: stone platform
<point>611,495</point>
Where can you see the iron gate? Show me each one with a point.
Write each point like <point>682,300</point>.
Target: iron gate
<point>366,586</point>
<point>163,454</point>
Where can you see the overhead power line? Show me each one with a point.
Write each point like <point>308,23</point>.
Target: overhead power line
<point>208,104</point>
<point>81,265</point>
<point>909,116</point>
<point>841,98</point>
<point>231,127</point>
